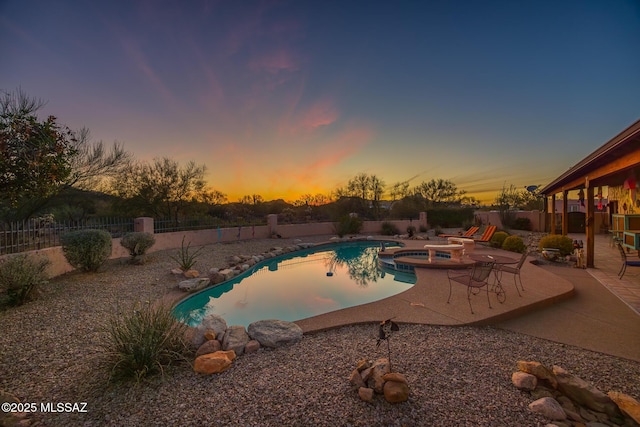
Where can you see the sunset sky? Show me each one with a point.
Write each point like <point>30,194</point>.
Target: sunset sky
<point>283,98</point>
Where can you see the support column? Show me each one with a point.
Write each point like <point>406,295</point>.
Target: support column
<point>553,214</point>
<point>143,225</point>
<point>590,225</point>
<point>565,216</point>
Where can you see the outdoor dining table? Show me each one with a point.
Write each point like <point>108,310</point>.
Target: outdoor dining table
<point>498,260</point>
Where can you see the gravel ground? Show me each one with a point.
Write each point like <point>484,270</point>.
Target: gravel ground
<point>458,376</point>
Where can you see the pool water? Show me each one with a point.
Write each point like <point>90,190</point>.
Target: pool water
<point>299,285</point>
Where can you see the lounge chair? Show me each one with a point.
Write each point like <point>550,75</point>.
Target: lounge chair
<point>625,262</point>
<point>468,234</point>
<point>487,235</point>
<point>474,278</point>
<point>515,270</point>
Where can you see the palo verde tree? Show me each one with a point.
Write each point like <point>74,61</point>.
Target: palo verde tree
<point>366,188</point>
<point>162,188</point>
<point>439,191</point>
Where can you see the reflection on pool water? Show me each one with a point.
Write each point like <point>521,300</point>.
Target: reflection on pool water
<point>299,285</point>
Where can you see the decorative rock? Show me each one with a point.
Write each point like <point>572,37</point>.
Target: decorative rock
<point>395,376</point>
<point>207,347</point>
<point>212,322</point>
<point>378,370</point>
<point>194,285</point>
<point>191,274</point>
<point>539,370</point>
<point>214,363</point>
<point>227,273</point>
<point>548,407</point>
<point>356,379</point>
<point>235,338</point>
<point>251,347</point>
<point>396,392</point>
<point>524,381</point>
<point>233,259</point>
<point>176,272</point>
<point>366,394</point>
<point>363,364</point>
<point>275,333</point>
<point>210,335</point>
<point>584,393</point>
<point>627,404</point>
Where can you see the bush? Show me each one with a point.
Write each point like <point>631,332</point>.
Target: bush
<point>389,229</point>
<point>411,230</point>
<point>19,278</point>
<point>87,249</point>
<point>498,238</point>
<point>423,228</point>
<point>138,243</point>
<point>348,225</point>
<point>514,244</point>
<point>557,241</point>
<point>143,342</point>
<point>522,224</point>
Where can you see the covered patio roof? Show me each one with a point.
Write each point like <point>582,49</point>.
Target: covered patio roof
<point>610,165</point>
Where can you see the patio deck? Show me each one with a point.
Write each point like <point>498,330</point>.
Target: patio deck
<point>591,308</point>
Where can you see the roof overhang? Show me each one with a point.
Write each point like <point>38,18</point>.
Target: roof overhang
<point>608,165</point>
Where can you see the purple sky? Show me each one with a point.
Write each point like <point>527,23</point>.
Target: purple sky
<point>283,98</point>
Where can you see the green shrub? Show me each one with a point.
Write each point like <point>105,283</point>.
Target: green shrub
<point>348,225</point>
<point>498,238</point>
<point>19,278</point>
<point>389,229</point>
<point>143,342</point>
<point>87,249</point>
<point>138,243</point>
<point>514,244</point>
<point>522,224</point>
<point>557,241</point>
<point>185,259</point>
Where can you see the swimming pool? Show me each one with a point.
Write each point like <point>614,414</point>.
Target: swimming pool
<point>299,285</point>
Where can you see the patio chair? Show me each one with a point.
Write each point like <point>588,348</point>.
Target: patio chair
<point>487,235</point>
<point>515,270</point>
<point>625,261</point>
<point>474,278</point>
<point>469,233</point>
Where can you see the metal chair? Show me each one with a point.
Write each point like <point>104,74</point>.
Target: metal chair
<point>505,268</point>
<point>474,279</point>
<point>625,262</point>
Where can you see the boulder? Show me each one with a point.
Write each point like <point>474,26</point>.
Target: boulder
<point>627,404</point>
<point>251,347</point>
<point>524,381</point>
<point>548,407</point>
<point>207,347</point>
<point>366,394</point>
<point>191,274</point>
<point>584,393</point>
<point>227,273</point>
<point>214,363</point>
<point>539,370</point>
<point>275,333</point>
<point>396,392</point>
<point>356,379</point>
<point>194,285</point>
<point>212,322</point>
<point>235,338</point>
<point>395,376</point>
<point>378,370</point>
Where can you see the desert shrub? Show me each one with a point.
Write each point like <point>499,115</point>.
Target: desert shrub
<point>143,342</point>
<point>557,241</point>
<point>87,249</point>
<point>522,224</point>
<point>389,229</point>
<point>138,243</point>
<point>498,238</point>
<point>348,224</point>
<point>19,278</point>
<point>423,228</point>
<point>514,244</point>
<point>437,230</point>
<point>186,259</point>
<point>411,230</point>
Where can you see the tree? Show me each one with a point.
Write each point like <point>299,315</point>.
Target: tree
<point>38,158</point>
<point>399,190</point>
<point>439,191</point>
<point>162,189</point>
<point>367,188</point>
<point>35,156</point>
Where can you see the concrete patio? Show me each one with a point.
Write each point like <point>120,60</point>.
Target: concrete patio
<point>591,308</point>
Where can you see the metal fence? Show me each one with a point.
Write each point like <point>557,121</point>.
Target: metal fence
<point>40,233</point>
<point>186,224</point>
